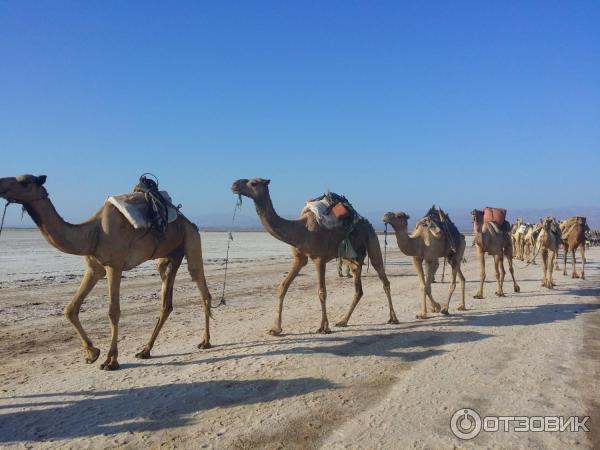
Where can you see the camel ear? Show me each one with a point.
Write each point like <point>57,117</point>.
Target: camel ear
<point>40,180</point>
<point>267,182</point>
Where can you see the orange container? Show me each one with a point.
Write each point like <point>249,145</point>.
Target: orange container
<point>340,211</point>
<point>496,215</point>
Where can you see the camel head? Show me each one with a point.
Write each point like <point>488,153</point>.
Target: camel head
<point>477,216</point>
<point>23,189</point>
<point>256,188</point>
<point>397,220</point>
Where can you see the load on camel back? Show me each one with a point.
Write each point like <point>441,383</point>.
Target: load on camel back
<point>335,211</point>
<point>147,207</point>
<point>494,219</point>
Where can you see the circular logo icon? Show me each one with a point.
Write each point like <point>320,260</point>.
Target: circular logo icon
<point>465,424</point>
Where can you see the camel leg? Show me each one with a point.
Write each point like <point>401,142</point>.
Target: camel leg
<point>566,250</point>
<point>451,289</point>
<point>114,313</point>
<point>432,267</point>
<point>167,269</point>
<point>93,273</point>
<point>497,259</point>
<point>481,255</point>
<point>545,264</point>
<point>551,269</point>
<point>377,264</point>
<point>321,265</point>
<point>461,277</point>
<point>502,273</point>
<point>298,263</point>
<point>192,249</point>
<point>358,293</point>
<point>418,263</point>
<point>582,252</point>
<point>574,274</point>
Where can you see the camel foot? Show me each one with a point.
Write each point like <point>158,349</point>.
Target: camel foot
<point>144,354</point>
<point>500,294</point>
<point>204,344</point>
<point>275,331</point>
<point>461,308</point>
<point>444,310</point>
<point>582,276</point>
<point>517,289</point>
<point>393,320</point>
<point>111,363</point>
<point>421,316</point>
<point>478,296</point>
<point>324,330</point>
<point>92,354</point>
<point>436,307</point>
<point>348,275</point>
<point>575,275</point>
<point>342,323</point>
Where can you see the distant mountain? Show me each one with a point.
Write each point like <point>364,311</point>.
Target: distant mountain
<point>247,218</point>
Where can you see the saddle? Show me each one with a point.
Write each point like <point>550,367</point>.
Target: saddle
<point>439,222</point>
<point>147,207</point>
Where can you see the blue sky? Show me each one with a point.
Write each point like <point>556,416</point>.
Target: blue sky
<point>398,105</point>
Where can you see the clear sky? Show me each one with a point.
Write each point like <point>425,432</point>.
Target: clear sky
<point>397,105</point>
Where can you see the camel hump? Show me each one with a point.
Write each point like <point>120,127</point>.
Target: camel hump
<point>134,207</point>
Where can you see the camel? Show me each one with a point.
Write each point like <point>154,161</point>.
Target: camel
<point>548,242</point>
<point>573,237</point>
<point>427,244</point>
<point>110,245</point>
<point>518,239</point>
<point>529,241</point>
<point>309,240</point>
<point>496,242</point>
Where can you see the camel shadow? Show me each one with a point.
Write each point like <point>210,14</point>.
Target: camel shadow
<point>383,345</point>
<point>148,408</point>
<point>534,315</point>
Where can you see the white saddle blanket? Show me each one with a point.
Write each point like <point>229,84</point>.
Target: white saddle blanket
<point>522,229</point>
<point>133,207</point>
<point>319,209</point>
<point>492,227</point>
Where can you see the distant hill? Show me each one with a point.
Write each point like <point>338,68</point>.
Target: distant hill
<point>248,219</point>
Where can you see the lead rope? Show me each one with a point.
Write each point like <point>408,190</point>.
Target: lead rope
<point>238,206</point>
<point>385,246</point>
<point>8,202</point>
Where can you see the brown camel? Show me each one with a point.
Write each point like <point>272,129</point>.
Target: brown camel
<point>428,244</point>
<point>548,242</point>
<point>110,245</point>
<point>573,238</point>
<point>309,240</point>
<point>495,242</point>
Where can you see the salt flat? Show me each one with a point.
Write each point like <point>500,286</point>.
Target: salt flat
<point>370,385</point>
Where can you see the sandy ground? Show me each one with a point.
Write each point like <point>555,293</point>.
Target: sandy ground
<point>371,385</point>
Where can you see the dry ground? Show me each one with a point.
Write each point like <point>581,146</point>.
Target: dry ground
<point>371,385</point>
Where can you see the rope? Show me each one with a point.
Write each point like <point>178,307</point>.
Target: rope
<point>8,202</point>
<point>385,246</point>
<point>238,206</point>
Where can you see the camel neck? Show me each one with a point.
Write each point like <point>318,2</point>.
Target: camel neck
<point>288,231</point>
<point>405,242</point>
<point>68,238</point>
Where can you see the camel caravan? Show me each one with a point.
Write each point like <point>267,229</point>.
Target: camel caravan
<point>144,225</point>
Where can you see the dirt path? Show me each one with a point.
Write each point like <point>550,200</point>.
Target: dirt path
<point>369,385</point>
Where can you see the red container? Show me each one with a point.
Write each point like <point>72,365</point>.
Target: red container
<point>496,215</point>
<point>340,211</point>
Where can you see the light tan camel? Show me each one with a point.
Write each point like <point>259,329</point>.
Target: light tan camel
<point>110,245</point>
<point>499,245</point>
<point>428,245</point>
<point>309,240</point>
<point>530,241</point>
<point>548,242</point>
<point>517,237</point>
<point>573,238</point>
